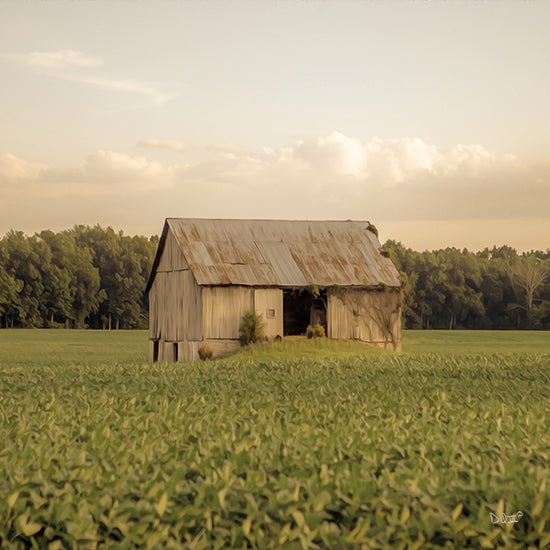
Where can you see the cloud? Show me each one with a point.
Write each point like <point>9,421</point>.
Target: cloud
<point>404,182</point>
<point>139,87</point>
<point>406,178</point>
<point>14,169</point>
<point>168,144</point>
<point>103,173</point>
<point>386,162</point>
<point>113,170</point>
<point>69,65</point>
<point>335,153</point>
<point>62,59</point>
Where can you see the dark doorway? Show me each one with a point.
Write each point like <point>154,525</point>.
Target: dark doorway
<point>319,311</point>
<point>175,352</point>
<point>301,309</point>
<point>155,351</point>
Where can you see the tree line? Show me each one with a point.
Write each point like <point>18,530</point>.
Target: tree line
<point>82,277</point>
<point>95,277</point>
<point>495,288</point>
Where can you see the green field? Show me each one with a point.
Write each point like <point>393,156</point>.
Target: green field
<point>318,444</point>
<point>476,341</point>
<point>72,347</point>
<point>93,347</point>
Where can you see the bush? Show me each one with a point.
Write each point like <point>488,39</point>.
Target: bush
<point>372,228</point>
<point>205,352</point>
<point>318,331</point>
<point>252,328</point>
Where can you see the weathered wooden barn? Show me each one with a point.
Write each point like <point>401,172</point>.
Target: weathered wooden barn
<point>208,273</point>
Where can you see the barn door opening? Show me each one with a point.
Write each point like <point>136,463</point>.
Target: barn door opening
<point>319,310</point>
<point>301,308</point>
<point>155,351</point>
<point>176,352</point>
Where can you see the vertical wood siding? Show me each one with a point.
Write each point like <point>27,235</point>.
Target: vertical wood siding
<point>223,308</point>
<point>172,258</point>
<point>270,299</point>
<point>372,316</point>
<point>175,306</point>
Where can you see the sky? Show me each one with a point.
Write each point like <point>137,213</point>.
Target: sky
<point>431,119</point>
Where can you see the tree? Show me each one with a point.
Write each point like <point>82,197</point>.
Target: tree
<point>80,277</point>
<point>26,261</point>
<point>88,294</point>
<point>527,275</point>
<point>59,279</point>
<point>124,264</point>
<point>104,249</point>
<point>496,289</point>
<point>405,260</point>
<point>462,280</point>
<point>10,287</point>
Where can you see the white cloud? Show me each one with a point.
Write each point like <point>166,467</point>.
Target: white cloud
<point>380,162</point>
<point>13,168</point>
<point>113,169</point>
<point>62,59</point>
<point>152,91</point>
<point>103,173</point>
<point>335,153</point>
<point>402,181</point>
<point>392,161</point>
<point>69,65</point>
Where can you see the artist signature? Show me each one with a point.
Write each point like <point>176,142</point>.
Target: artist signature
<point>506,519</point>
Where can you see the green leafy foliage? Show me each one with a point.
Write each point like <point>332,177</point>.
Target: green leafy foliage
<point>83,277</point>
<point>493,289</point>
<point>374,451</point>
<point>372,228</point>
<point>252,328</point>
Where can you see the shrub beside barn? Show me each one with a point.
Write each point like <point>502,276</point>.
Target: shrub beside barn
<point>208,273</point>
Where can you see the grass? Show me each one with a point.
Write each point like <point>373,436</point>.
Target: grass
<point>476,341</point>
<point>93,347</point>
<point>70,347</point>
<point>301,347</point>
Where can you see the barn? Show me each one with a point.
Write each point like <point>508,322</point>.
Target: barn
<point>208,273</point>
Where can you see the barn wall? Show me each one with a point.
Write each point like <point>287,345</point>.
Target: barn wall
<point>175,307</point>
<point>223,308</point>
<point>172,258</point>
<point>269,301</point>
<point>372,316</point>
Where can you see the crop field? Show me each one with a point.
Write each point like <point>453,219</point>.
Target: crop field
<point>305,445</point>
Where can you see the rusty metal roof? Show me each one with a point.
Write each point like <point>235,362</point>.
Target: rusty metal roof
<point>280,253</point>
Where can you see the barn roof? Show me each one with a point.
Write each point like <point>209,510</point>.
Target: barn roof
<point>280,253</point>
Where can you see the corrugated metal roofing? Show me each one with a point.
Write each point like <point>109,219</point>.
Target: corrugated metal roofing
<point>281,253</point>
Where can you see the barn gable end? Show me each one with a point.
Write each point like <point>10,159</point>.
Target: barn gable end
<point>172,258</point>
<point>175,305</point>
